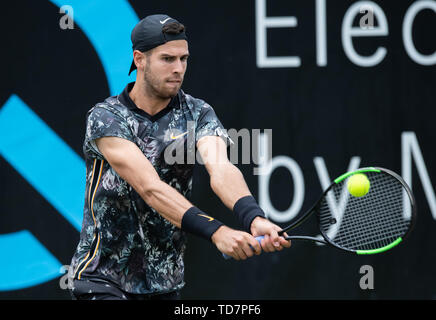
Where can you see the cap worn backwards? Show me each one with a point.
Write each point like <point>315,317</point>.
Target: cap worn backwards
<point>148,34</point>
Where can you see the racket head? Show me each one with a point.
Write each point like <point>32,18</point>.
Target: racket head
<point>370,224</point>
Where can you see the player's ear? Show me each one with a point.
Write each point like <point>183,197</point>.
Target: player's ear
<point>139,59</point>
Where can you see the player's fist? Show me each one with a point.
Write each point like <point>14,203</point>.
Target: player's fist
<point>271,241</point>
<point>236,244</point>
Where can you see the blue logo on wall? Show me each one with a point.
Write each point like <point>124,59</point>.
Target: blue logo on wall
<point>24,261</point>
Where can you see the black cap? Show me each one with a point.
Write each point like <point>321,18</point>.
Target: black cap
<point>148,34</point>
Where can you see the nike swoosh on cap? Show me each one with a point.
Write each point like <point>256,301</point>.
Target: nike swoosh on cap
<point>163,21</point>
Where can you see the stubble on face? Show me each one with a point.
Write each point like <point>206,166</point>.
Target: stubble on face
<point>155,86</point>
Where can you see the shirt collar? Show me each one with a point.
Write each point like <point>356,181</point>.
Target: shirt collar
<point>125,99</point>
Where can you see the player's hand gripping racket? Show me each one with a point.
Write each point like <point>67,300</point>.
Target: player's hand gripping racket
<point>367,211</point>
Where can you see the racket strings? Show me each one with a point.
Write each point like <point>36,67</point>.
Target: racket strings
<point>369,222</point>
<point>362,225</point>
<point>370,227</point>
<point>373,226</point>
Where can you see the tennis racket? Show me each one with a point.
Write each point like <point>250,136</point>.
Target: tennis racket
<point>369,224</point>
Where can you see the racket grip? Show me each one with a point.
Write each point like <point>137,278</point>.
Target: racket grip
<point>259,239</point>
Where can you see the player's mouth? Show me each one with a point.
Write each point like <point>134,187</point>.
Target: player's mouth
<point>175,83</point>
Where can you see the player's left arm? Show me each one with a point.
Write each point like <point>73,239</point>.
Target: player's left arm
<point>229,185</point>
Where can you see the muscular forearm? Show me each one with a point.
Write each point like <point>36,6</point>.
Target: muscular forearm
<point>228,184</point>
<point>167,201</point>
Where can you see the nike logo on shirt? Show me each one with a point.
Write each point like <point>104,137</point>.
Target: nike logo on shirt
<point>173,137</point>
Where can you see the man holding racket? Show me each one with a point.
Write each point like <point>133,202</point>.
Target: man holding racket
<point>136,209</point>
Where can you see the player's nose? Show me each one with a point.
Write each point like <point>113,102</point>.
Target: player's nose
<point>178,67</point>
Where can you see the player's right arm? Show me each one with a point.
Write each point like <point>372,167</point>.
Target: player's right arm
<point>130,164</point>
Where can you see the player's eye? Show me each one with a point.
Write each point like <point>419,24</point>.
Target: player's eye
<point>168,59</point>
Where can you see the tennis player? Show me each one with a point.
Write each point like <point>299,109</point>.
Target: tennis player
<point>136,204</point>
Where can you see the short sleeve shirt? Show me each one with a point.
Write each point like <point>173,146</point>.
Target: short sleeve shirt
<point>123,240</point>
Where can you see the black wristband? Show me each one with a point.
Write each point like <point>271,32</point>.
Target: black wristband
<point>246,209</point>
<point>197,222</point>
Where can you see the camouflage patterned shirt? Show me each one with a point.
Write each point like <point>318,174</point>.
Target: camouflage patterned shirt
<point>123,240</point>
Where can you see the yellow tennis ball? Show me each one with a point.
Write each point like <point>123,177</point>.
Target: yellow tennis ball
<point>358,185</point>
